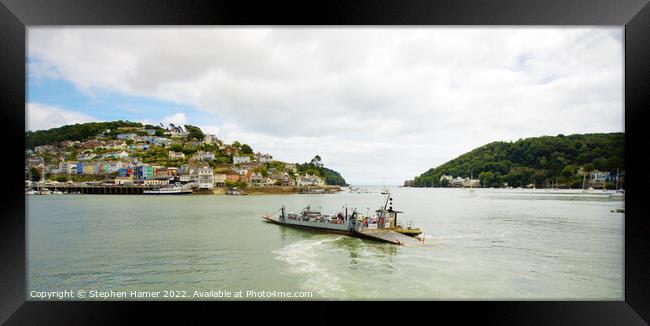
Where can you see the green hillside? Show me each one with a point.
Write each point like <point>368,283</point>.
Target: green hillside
<point>331,177</point>
<point>534,160</point>
<point>79,132</point>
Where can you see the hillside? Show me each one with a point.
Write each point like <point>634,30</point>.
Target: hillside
<point>534,160</point>
<point>331,177</point>
<point>101,138</point>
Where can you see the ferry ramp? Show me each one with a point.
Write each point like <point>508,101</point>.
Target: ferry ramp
<point>391,237</point>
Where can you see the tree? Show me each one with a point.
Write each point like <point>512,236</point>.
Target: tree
<point>588,167</point>
<point>176,147</point>
<point>546,156</point>
<point>600,164</point>
<point>245,149</point>
<point>316,161</point>
<point>568,171</point>
<point>36,174</point>
<point>194,132</point>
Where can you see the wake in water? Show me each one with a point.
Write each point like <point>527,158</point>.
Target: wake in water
<point>302,257</point>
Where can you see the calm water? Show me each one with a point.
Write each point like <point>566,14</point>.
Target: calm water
<point>496,244</point>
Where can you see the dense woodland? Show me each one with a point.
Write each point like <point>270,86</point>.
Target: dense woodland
<point>539,160</point>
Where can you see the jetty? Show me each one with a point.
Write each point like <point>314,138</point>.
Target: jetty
<point>102,189</point>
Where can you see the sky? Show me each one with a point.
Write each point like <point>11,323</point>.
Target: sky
<point>380,105</point>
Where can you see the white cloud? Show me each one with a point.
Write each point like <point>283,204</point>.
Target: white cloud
<point>41,116</point>
<point>374,102</point>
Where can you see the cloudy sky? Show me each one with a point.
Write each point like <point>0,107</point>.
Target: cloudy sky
<point>379,105</point>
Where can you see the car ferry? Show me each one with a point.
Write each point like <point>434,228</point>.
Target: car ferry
<point>381,227</point>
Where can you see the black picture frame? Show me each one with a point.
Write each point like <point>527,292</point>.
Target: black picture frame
<point>17,15</point>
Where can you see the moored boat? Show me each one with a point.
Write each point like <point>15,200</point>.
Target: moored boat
<point>176,190</point>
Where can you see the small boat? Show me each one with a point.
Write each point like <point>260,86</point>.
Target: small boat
<point>235,192</point>
<point>57,192</point>
<point>176,190</point>
<point>618,193</point>
<point>30,192</point>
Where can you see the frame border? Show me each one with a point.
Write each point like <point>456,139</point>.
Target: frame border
<point>16,16</point>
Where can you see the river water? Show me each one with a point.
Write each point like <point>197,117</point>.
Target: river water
<point>494,244</point>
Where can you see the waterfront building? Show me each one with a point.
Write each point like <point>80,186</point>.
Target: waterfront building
<point>164,172</point>
<point>123,180</point>
<point>89,169</point>
<point>282,178</point>
<point>446,177</point>
<point>205,177</point>
<point>68,167</point>
<point>187,178</point>
<point>233,177</point>
<point>219,180</point>
<point>471,183</point>
<point>309,180</point>
<point>256,179</point>
<point>124,172</point>
<point>457,182</point>
<point>144,172</point>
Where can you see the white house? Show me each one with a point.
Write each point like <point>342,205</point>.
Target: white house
<point>309,180</point>
<point>206,177</point>
<point>203,156</point>
<point>176,155</point>
<point>122,154</point>
<point>457,182</point>
<point>257,179</point>
<point>472,183</point>
<point>263,158</point>
<point>127,136</point>
<point>238,159</point>
<point>446,177</point>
